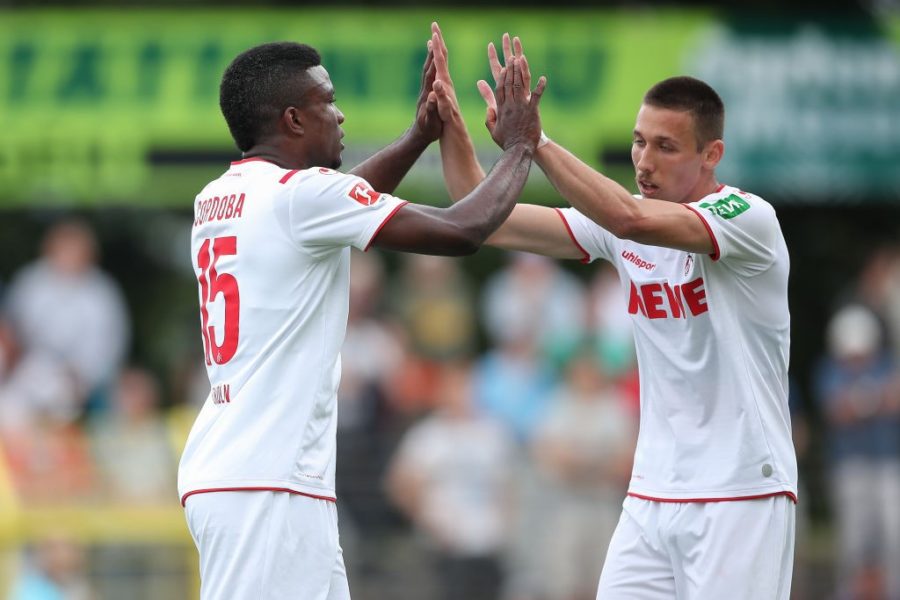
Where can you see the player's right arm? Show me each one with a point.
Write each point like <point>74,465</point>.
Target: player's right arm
<point>463,227</point>
<point>603,200</point>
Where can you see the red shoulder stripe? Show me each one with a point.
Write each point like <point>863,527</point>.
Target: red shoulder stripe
<point>288,175</point>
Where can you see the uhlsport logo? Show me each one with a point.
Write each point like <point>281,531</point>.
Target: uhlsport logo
<point>727,208</point>
<point>637,260</point>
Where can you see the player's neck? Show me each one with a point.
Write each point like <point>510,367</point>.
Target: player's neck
<point>705,187</point>
<point>276,155</point>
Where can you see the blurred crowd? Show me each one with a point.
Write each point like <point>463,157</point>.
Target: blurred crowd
<point>856,387</point>
<point>486,428</point>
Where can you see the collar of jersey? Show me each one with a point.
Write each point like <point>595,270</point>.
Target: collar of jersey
<point>251,159</point>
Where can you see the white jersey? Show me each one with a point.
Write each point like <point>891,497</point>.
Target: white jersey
<point>712,335</point>
<point>271,251</point>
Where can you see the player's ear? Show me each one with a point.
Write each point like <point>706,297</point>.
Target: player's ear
<point>291,120</point>
<point>713,153</point>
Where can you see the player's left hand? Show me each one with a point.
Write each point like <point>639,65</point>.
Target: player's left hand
<point>428,122</point>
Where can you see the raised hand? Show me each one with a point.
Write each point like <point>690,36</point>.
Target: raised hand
<point>511,48</point>
<point>445,93</point>
<point>428,122</point>
<point>516,117</point>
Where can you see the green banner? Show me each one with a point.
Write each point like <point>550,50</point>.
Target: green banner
<point>813,109</point>
<point>121,107</point>
<point>98,106</point>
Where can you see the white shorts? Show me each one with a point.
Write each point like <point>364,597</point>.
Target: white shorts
<point>701,550</point>
<point>271,545</point>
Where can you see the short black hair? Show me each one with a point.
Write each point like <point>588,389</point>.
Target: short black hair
<point>259,84</point>
<point>696,97</point>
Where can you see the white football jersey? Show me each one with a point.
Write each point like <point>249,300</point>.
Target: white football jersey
<point>271,251</point>
<point>712,335</point>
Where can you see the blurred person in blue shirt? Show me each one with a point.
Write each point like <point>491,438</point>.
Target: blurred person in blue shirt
<point>857,389</point>
<point>56,572</point>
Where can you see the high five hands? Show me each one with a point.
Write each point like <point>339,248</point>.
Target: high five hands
<point>512,106</point>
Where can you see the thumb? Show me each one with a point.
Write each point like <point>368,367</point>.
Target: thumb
<point>538,91</point>
<point>490,119</point>
<point>443,100</point>
<point>487,94</point>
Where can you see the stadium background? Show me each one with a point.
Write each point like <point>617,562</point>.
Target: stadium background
<point>109,114</point>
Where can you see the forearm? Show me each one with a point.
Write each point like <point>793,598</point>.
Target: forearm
<point>385,169</point>
<point>462,228</point>
<point>600,198</point>
<point>462,173</point>
<point>491,201</point>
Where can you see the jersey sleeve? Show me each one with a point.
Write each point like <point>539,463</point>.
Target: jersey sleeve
<point>744,231</point>
<point>329,210</point>
<point>593,241</point>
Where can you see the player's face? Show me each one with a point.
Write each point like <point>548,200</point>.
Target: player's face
<point>322,121</point>
<point>667,163</point>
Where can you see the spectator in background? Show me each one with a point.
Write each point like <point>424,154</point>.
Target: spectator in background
<point>609,323</point>
<point>366,428</point>
<point>42,443</point>
<point>33,385</point>
<point>583,449</point>
<point>64,305</point>
<point>433,304</point>
<point>130,442</point>
<point>513,383</point>
<point>56,571</point>
<point>858,391</point>
<point>433,301</point>
<point>50,463</point>
<point>451,476</point>
<point>534,296</point>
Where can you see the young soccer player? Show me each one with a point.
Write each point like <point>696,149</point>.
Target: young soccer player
<point>704,266</point>
<point>270,246</point>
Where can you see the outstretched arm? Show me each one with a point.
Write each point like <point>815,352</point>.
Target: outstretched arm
<point>604,201</point>
<point>463,227</point>
<point>462,172</point>
<point>387,167</point>
<point>529,227</point>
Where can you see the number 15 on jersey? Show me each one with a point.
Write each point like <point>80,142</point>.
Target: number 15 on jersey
<point>213,283</point>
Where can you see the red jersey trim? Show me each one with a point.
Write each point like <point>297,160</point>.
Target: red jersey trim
<point>383,223</point>
<point>251,159</point>
<point>587,256</point>
<point>715,253</point>
<point>288,175</point>
<point>255,489</point>
<point>734,499</point>
<point>720,188</point>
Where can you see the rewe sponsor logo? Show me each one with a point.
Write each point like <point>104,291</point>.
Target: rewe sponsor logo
<point>664,301</point>
<point>637,260</point>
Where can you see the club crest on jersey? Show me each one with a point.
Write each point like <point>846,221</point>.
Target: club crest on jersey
<point>363,194</point>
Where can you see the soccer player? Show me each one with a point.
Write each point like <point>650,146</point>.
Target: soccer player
<point>704,266</point>
<point>270,247</point>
